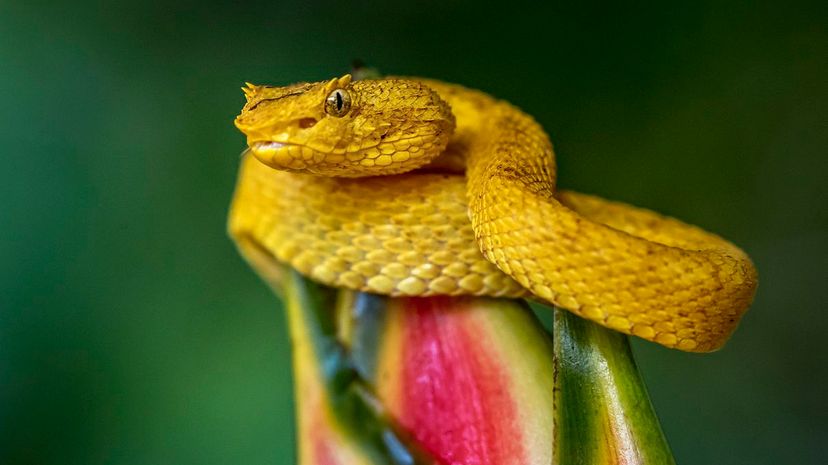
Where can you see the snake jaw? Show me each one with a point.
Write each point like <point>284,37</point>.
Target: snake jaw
<point>282,156</point>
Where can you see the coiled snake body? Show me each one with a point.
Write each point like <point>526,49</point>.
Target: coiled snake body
<point>368,193</point>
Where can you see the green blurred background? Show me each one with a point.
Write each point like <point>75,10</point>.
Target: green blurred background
<point>132,333</point>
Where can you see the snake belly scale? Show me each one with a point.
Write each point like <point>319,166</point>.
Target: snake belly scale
<point>415,187</point>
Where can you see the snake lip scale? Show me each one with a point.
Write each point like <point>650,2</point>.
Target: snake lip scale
<point>347,184</point>
<point>266,146</point>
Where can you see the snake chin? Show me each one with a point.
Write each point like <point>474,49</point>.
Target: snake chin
<point>280,155</point>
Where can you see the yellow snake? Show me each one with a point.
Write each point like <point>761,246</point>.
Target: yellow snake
<point>360,184</point>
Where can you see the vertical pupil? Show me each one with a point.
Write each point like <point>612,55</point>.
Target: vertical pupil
<point>339,101</point>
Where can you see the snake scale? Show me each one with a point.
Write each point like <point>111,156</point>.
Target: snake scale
<point>415,187</point>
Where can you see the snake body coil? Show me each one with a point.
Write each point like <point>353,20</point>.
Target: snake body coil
<point>414,224</point>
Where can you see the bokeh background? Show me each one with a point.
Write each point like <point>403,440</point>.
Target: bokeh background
<point>132,333</point>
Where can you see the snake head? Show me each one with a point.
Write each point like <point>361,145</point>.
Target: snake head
<point>346,128</point>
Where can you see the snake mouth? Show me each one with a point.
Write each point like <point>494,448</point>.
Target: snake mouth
<point>275,153</point>
<point>265,147</point>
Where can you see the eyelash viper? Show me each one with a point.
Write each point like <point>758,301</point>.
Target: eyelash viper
<point>410,186</point>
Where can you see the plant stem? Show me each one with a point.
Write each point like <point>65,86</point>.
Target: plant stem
<point>603,413</point>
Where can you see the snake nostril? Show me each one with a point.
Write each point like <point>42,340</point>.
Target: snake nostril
<point>305,123</point>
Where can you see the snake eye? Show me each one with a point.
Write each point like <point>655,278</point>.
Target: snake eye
<point>338,103</point>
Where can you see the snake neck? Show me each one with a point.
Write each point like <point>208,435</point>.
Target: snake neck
<point>498,143</point>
